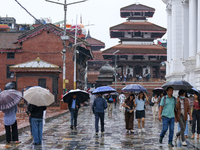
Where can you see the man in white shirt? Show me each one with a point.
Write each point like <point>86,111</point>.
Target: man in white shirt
<point>122,98</point>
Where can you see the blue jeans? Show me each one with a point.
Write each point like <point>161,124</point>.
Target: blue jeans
<point>74,115</point>
<point>168,122</point>
<point>186,128</point>
<point>37,127</point>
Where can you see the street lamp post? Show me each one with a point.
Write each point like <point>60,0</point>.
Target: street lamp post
<point>115,67</point>
<point>64,37</point>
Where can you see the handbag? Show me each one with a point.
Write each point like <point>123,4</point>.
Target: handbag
<point>128,110</point>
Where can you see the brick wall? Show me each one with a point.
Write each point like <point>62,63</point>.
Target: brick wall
<point>50,46</point>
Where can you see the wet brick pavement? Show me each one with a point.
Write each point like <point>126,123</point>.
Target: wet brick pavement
<point>58,136</point>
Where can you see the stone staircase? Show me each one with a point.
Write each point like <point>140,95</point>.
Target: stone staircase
<point>150,85</point>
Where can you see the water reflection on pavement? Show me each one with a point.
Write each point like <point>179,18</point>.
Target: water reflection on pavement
<point>58,136</point>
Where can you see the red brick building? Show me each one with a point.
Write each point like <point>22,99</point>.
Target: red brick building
<point>18,47</point>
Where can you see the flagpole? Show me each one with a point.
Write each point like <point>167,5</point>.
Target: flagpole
<point>75,55</point>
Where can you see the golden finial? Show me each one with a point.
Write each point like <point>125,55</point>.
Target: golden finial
<point>38,58</point>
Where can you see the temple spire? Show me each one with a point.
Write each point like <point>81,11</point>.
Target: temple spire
<point>88,35</point>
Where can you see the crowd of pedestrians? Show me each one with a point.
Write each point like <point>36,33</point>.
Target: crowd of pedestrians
<point>168,109</point>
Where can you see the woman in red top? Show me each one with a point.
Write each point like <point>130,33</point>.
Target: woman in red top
<point>196,115</point>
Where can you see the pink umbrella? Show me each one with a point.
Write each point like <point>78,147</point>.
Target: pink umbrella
<point>9,98</point>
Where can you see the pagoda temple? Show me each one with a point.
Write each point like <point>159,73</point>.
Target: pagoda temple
<point>138,55</point>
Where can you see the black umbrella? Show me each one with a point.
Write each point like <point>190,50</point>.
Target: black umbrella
<point>158,90</point>
<point>9,85</point>
<point>178,85</point>
<point>80,94</point>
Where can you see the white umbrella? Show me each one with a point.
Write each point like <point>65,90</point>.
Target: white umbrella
<point>38,96</point>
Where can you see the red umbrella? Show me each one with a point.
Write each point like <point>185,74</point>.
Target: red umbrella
<point>9,98</point>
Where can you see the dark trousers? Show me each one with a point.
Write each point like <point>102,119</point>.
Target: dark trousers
<point>14,132</point>
<point>182,124</point>
<point>74,115</point>
<point>97,116</point>
<point>196,118</point>
<point>129,118</point>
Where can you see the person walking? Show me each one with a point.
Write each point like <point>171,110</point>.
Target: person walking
<point>74,106</point>
<point>110,104</point>
<point>122,98</point>
<point>140,110</point>
<point>167,115</point>
<point>98,107</point>
<point>36,114</point>
<point>92,97</point>
<point>196,115</point>
<point>129,113</point>
<point>10,121</point>
<point>183,109</point>
<point>155,106</point>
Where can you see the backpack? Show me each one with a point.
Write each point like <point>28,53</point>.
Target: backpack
<point>151,103</point>
<point>111,99</point>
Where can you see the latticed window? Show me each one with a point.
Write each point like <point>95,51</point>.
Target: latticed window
<point>11,55</point>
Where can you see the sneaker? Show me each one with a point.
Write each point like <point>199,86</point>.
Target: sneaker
<point>170,144</point>
<point>139,131</point>
<point>143,130</point>
<point>160,140</point>
<point>71,127</point>
<point>184,143</point>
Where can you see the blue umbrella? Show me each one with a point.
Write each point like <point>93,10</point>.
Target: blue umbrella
<point>136,88</point>
<point>103,90</point>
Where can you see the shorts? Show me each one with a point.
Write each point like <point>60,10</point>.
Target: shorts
<point>140,114</point>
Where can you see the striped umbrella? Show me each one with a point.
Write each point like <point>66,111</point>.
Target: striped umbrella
<point>9,98</point>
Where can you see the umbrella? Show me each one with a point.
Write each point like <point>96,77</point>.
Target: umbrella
<point>103,90</point>
<point>158,90</point>
<point>92,89</point>
<point>80,94</point>
<point>193,90</point>
<point>178,85</point>
<point>136,88</point>
<point>9,85</point>
<point>38,96</point>
<point>9,98</point>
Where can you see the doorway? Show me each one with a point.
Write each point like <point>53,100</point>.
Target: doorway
<point>42,82</point>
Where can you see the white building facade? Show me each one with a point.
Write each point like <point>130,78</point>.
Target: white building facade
<point>183,35</point>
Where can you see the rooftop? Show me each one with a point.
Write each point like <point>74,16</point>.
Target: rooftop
<point>137,8</point>
<point>93,41</point>
<point>36,65</point>
<point>138,26</point>
<point>7,40</point>
<point>136,49</point>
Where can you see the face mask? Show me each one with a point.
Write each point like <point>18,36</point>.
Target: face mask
<point>182,97</point>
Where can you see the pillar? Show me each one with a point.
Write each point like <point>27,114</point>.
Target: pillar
<point>169,44</point>
<point>185,35</point>
<point>192,29</point>
<point>198,37</point>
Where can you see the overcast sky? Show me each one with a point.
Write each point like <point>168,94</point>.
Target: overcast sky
<point>102,13</point>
